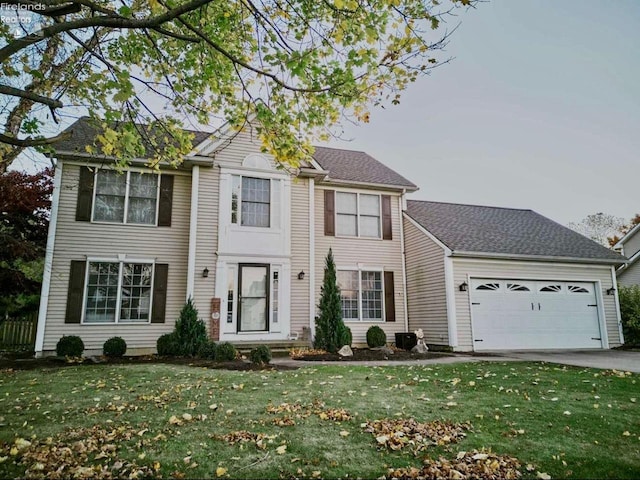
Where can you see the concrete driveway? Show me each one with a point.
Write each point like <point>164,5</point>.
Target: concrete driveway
<point>607,359</point>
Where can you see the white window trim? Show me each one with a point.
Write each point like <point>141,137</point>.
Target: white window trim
<point>120,263</point>
<point>360,269</point>
<point>358,215</point>
<point>252,228</point>
<point>126,199</point>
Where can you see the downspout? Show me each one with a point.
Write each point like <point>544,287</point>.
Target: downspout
<point>193,231</point>
<point>48,260</point>
<point>401,204</point>
<point>617,300</point>
<point>312,259</point>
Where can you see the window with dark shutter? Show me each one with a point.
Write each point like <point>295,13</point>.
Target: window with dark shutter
<point>387,233</point>
<point>158,310</point>
<point>389,298</point>
<point>329,213</point>
<point>75,294</point>
<point>166,200</point>
<point>85,195</point>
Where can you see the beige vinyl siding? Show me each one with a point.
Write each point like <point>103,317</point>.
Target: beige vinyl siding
<point>206,241</point>
<point>426,292</point>
<point>79,240</point>
<point>630,275</point>
<point>632,245</point>
<point>299,254</point>
<point>463,268</point>
<point>242,143</point>
<point>367,252</point>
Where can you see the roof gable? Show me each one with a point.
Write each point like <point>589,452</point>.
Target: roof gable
<point>504,231</point>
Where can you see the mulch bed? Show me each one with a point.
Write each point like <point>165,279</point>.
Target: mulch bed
<point>57,362</point>
<point>366,354</point>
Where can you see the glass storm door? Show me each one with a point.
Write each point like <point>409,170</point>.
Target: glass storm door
<point>254,298</point>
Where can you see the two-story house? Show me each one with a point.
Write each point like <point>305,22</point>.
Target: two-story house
<point>246,240</point>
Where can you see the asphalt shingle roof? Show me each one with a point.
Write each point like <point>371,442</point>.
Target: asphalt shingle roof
<point>354,166</point>
<point>479,229</point>
<point>85,132</point>
<point>346,165</point>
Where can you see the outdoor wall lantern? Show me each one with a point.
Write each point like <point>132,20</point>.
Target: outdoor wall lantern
<point>205,272</point>
<point>301,275</point>
<point>611,291</point>
<point>463,287</point>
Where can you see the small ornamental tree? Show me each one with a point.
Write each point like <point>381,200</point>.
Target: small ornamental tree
<point>329,324</point>
<point>190,331</point>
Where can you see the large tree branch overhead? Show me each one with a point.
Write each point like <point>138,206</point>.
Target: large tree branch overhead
<point>299,67</point>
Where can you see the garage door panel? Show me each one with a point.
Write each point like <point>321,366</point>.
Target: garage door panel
<point>513,314</point>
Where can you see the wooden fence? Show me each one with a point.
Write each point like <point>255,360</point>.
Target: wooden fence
<point>18,334</point>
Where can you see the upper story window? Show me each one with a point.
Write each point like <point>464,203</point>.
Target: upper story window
<point>358,215</point>
<point>129,197</point>
<point>254,201</point>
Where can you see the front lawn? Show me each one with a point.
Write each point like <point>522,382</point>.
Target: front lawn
<point>192,422</point>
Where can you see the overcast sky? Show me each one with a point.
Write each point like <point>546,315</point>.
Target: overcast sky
<point>539,109</point>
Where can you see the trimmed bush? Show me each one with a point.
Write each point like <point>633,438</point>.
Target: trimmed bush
<point>344,336</point>
<point>630,314</point>
<point>376,337</point>
<point>70,346</point>
<point>167,345</point>
<point>260,355</point>
<point>190,331</point>
<point>115,347</point>
<point>225,352</point>
<point>208,350</point>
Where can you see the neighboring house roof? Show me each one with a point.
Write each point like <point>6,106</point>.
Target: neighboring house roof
<point>85,132</point>
<point>358,167</point>
<point>473,229</point>
<point>627,236</point>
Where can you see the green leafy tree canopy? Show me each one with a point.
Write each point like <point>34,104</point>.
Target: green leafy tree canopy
<point>299,67</point>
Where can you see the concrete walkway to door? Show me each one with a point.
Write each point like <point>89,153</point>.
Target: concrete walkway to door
<point>624,360</point>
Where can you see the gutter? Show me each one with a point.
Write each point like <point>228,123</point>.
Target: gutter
<point>539,258</point>
<point>382,186</point>
<point>189,160</point>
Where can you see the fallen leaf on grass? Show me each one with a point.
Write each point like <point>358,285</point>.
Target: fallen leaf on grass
<point>543,476</point>
<point>398,433</point>
<point>467,465</point>
<point>281,449</point>
<point>220,471</point>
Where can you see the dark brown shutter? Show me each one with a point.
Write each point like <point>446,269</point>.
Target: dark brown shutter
<point>389,298</point>
<point>387,234</point>
<point>75,293</point>
<point>85,195</point>
<point>158,309</point>
<point>330,213</point>
<point>166,201</point>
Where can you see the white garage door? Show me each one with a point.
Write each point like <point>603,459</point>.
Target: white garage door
<point>520,314</point>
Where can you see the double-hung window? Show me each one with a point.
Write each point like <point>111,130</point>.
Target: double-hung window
<point>255,201</point>
<point>361,293</point>
<point>129,197</point>
<point>358,215</point>
<point>118,292</point>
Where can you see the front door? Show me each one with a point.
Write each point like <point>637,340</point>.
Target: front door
<point>253,298</point>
